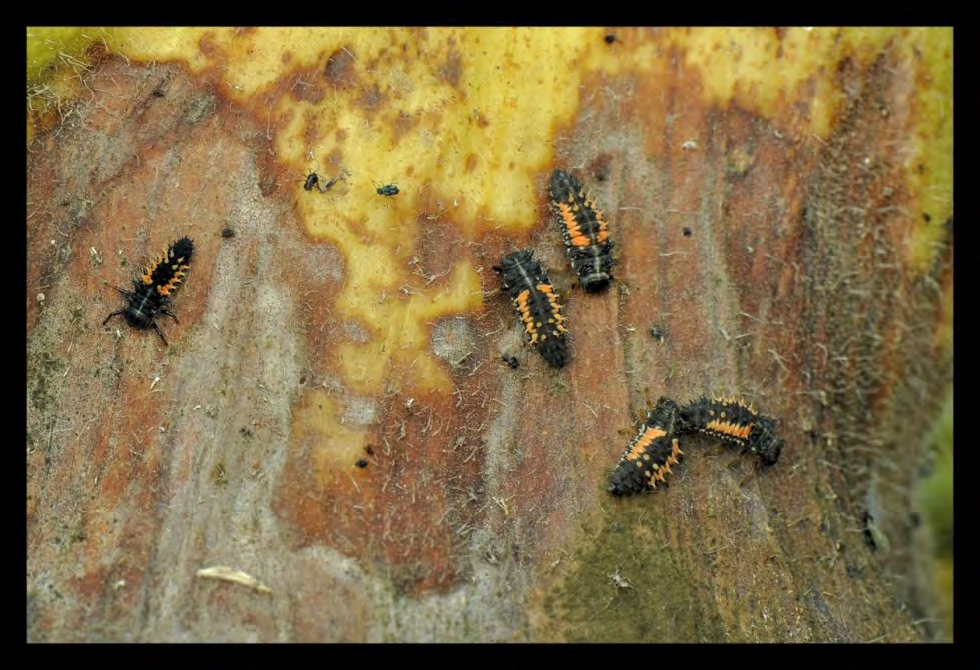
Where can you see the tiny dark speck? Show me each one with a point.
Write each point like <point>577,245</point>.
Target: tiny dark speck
<point>687,232</point>
<point>228,232</point>
<point>362,463</point>
<point>610,38</point>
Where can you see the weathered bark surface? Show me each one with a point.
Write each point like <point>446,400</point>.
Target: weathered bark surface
<point>791,245</point>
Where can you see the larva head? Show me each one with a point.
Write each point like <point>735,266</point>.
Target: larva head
<point>563,186</point>
<point>626,480</point>
<point>665,414</point>
<point>695,415</point>
<point>139,313</point>
<point>510,270</point>
<point>764,442</point>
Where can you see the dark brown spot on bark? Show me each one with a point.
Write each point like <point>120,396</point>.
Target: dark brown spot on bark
<point>372,97</point>
<point>97,52</point>
<point>208,46</point>
<point>307,87</point>
<point>451,69</point>
<point>601,167</point>
<point>403,124</point>
<point>335,157</point>
<point>339,69</point>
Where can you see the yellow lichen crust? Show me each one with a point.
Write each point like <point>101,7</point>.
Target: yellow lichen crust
<point>464,150</point>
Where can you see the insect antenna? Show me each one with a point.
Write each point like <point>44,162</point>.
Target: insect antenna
<point>121,290</point>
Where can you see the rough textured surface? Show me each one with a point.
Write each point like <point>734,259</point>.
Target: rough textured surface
<point>333,416</point>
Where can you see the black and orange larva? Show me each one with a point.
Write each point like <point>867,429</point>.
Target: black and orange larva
<point>584,231</point>
<point>734,421</point>
<point>536,302</point>
<point>152,290</point>
<point>648,457</point>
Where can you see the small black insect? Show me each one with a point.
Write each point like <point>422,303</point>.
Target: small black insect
<point>227,232</point>
<point>610,38</point>
<point>389,191</point>
<point>657,333</point>
<point>362,463</point>
<point>511,361</point>
<point>161,88</point>
<point>686,231</point>
<point>152,291</point>
<point>326,187</point>
<point>312,180</point>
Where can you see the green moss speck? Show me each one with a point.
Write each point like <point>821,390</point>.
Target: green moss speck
<point>626,587</point>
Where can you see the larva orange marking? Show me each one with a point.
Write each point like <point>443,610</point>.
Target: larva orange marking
<point>536,302</point>
<point>735,421</point>
<point>584,231</point>
<point>647,459</point>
